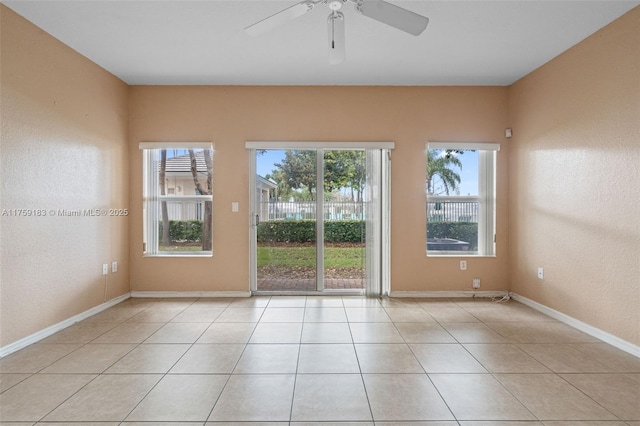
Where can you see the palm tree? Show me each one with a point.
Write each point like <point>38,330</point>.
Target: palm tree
<point>441,177</point>
<point>207,222</point>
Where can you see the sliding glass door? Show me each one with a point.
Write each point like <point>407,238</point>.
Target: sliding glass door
<point>286,220</point>
<point>317,218</point>
<point>343,220</point>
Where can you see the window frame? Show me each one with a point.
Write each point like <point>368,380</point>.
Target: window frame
<point>151,198</point>
<point>486,198</point>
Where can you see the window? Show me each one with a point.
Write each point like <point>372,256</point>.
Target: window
<point>177,222</point>
<point>461,203</point>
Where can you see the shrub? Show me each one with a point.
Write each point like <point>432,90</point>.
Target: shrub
<point>184,230</point>
<point>463,231</point>
<point>302,231</point>
<point>344,231</point>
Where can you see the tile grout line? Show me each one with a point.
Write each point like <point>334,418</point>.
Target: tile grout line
<point>235,364</point>
<point>96,375</point>
<point>364,386</point>
<point>353,345</point>
<point>491,372</point>
<point>163,375</point>
<point>295,376</point>
<point>444,401</point>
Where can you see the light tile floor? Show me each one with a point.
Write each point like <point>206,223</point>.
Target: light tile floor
<point>308,360</point>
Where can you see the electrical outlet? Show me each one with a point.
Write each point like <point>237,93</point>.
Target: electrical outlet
<point>463,265</point>
<point>540,273</point>
<point>105,269</point>
<point>476,283</point>
<point>114,266</point>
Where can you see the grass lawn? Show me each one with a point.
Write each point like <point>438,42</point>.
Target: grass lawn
<point>334,257</point>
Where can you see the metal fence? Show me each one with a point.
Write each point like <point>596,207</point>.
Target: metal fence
<point>439,209</point>
<point>448,209</point>
<point>306,210</point>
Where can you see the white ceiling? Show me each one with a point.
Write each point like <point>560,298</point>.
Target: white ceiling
<point>202,42</point>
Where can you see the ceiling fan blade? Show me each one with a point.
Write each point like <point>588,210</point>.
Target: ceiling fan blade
<point>335,26</point>
<point>393,15</point>
<point>280,18</point>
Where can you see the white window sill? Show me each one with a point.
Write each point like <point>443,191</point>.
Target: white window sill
<point>179,254</point>
<point>461,255</point>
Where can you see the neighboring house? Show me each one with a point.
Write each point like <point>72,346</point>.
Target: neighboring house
<point>263,188</point>
<point>179,182</point>
<point>178,176</point>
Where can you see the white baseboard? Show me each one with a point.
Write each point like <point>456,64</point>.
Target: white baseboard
<point>335,293</point>
<point>577,324</point>
<point>39,335</point>
<point>176,294</point>
<point>446,294</point>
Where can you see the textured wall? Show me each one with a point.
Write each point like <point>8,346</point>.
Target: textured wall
<point>575,181</point>
<point>64,130</point>
<point>568,181</point>
<point>229,116</point>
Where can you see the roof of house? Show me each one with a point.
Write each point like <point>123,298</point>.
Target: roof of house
<point>182,163</point>
<point>265,183</point>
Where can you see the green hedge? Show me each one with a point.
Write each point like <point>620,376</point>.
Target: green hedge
<point>184,230</point>
<point>304,231</point>
<point>463,231</point>
<point>344,231</point>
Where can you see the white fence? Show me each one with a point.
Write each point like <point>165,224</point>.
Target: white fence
<point>306,210</point>
<point>439,209</point>
<point>449,209</point>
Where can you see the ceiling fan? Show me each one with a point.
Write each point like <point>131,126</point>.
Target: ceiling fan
<point>379,10</point>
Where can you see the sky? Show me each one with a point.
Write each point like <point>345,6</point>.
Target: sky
<point>265,162</point>
<point>469,173</point>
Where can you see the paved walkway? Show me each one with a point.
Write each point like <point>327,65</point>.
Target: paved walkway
<point>305,284</point>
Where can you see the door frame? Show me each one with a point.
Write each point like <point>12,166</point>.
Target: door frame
<point>383,286</point>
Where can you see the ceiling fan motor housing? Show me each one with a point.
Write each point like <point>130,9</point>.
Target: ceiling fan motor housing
<point>336,4</point>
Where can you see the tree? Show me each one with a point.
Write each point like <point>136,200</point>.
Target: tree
<point>283,191</point>
<point>356,176</point>
<point>207,242</point>
<point>299,171</point>
<point>441,178</point>
<point>345,169</point>
<point>342,170</point>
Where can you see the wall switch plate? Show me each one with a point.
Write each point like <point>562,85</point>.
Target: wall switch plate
<point>114,266</point>
<point>105,269</point>
<point>541,273</point>
<point>476,283</point>
<point>234,207</point>
<point>463,265</point>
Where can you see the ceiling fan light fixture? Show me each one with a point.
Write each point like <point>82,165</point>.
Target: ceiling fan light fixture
<point>378,10</point>
<point>335,4</point>
<point>335,28</point>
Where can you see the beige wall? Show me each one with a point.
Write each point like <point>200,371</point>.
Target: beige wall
<point>63,146</point>
<point>229,116</point>
<point>568,181</point>
<point>575,181</point>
